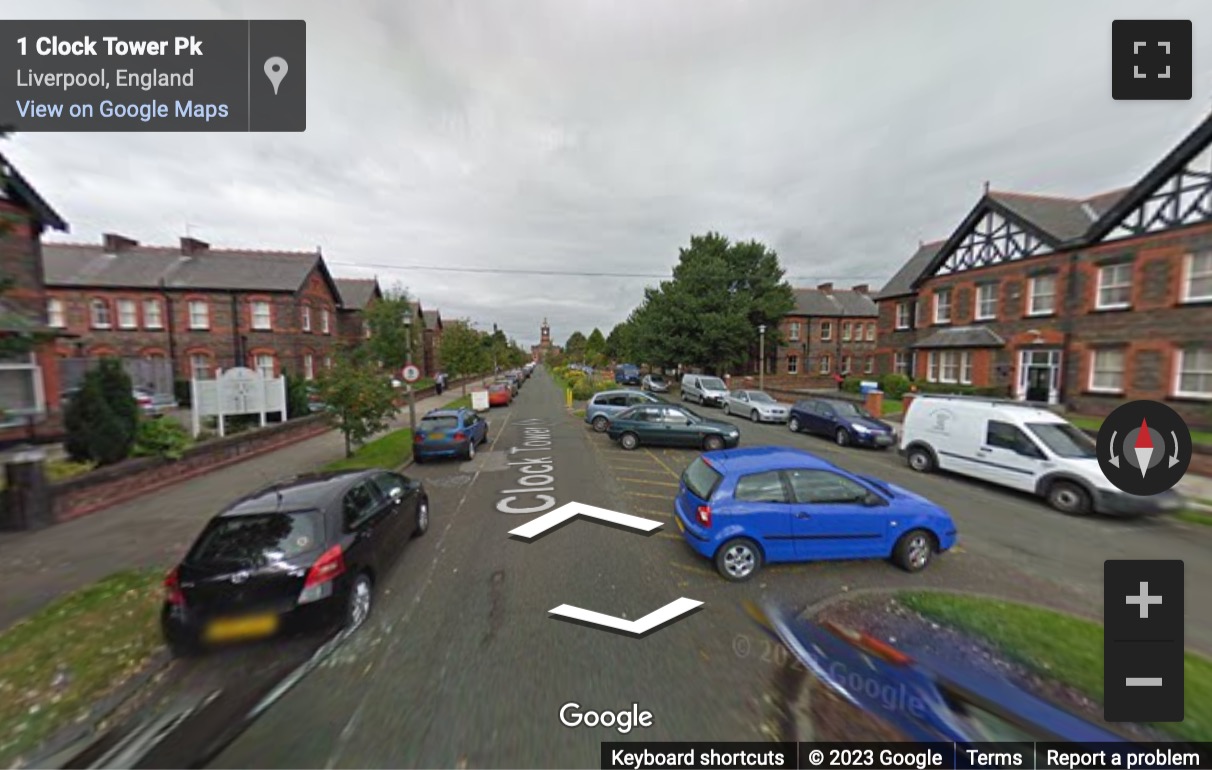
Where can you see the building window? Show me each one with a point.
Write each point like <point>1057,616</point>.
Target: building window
<point>309,367</point>
<point>904,315</point>
<point>900,364</point>
<point>153,318</point>
<point>966,368</point>
<point>1114,287</point>
<point>949,366</point>
<point>99,313</point>
<point>942,306</point>
<point>265,365</point>
<point>128,316</point>
<point>366,329</point>
<point>261,317</point>
<point>826,365</point>
<point>306,318</point>
<point>845,331</point>
<point>986,302</point>
<point>324,321</point>
<point>869,367</point>
<point>56,318</point>
<point>845,365</point>
<point>1197,283</point>
<point>20,388</point>
<point>793,364</point>
<point>199,314</point>
<point>1041,292</point>
<point>1194,376</point>
<point>1107,371</point>
<point>871,331</point>
<point>327,362</point>
<point>826,330</point>
<point>795,331</point>
<point>200,367</point>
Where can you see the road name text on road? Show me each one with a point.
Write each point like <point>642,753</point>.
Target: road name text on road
<point>537,471</point>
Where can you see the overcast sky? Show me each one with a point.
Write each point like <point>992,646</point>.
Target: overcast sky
<point>599,136</point>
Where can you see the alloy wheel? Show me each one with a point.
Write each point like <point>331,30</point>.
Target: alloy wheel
<point>359,602</point>
<point>739,560</point>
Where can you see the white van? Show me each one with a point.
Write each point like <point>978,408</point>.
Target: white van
<point>1019,446</point>
<point>704,389</point>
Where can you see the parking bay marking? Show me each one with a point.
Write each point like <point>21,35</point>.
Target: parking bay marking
<point>650,483</point>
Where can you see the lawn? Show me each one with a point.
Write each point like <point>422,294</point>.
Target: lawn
<point>892,406</point>
<point>1195,517</point>
<point>389,451</point>
<point>462,402</point>
<point>58,662</point>
<point>1094,423</point>
<point>1061,647</point>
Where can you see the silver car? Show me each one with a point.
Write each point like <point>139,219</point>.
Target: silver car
<point>654,383</point>
<point>756,405</point>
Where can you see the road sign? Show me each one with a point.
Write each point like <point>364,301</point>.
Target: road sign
<point>410,373</point>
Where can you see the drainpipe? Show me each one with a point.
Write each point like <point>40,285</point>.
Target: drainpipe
<point>171,326</point>
<point>238,354</point>
<point>1070,312</point>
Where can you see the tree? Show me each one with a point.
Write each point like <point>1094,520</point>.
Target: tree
<point>393,329</point>
<point>463,352</point>
<point>574,349</point>
<point>595,348</point>
<point>102,419</point>
<point>619,343</point>
<point>358,399</point>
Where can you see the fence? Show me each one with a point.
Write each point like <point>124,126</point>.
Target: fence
<point>154,374</point>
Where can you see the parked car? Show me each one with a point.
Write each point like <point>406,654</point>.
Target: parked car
<point>670,425</point>
<point>500,394</point>
<point>627,374</point>
<point>744,508</point>
<point>757,405</point>
<point>302,553</point>
<point>449,433</point>
<point>654,383</point>
<point>608,403</point>
<point>704,390</point>
<point>508,383</point>
<point>843,421</point>
<point>1022,447</point>
<point>153,403</point>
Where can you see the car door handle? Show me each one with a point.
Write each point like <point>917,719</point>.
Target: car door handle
<point>985,449</point>
<point>802,515</point>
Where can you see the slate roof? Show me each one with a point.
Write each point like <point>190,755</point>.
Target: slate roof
<point>1064,219</point>
<point>356,293</point>
<point>962,337</point>
<point>901,284</point>
<point>16,188</point>
<point>840,302</point>
<point>84,265</point>
<point>432,318</point>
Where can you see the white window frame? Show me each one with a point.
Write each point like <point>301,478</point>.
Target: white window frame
<point>263,361</point>
<point>871,331</point>
<point>128,314</point>
<point>793,333</point>
<point>366,329</point>
<point>306,318</point>
<point>94,318</point>
<point>869,365</point>
<point>209,365</point>
<point>844,368</point>
<point>793,364</point>
<point>325,321</point>
<point>1092,384</point>
<point>845,331</point>
<point>826,364</point>
<point>932,366</point>
<point>153,314</point>
<point>309,366</point>
<point>56,313</point>
<point>949,361</point>
<point>826,331</point>
<point>966,367</point>
<point>262,316</point>
<point>196,305</point>
<point>1102,286</point>
<point>327,362</point>
<point>904,315</point>
<point>1190,274</point>
<point>28,363</point>
<point>900,363</point>
<point>1033,295</point>
<point>1180,360</point>
<point>938,306</point>
<point>978,311</point>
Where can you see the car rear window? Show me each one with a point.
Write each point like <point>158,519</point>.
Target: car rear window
<point>257,539</point>
<point>438,423</point>
<point>701,479</point>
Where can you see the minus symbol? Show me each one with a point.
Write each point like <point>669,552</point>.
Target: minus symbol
<point>1144,681</point>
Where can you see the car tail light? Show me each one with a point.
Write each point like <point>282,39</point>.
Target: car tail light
<point>871,645</point>
<point>172,588</point>
<point>418,438</point>
<point>330,565</point>
<point>460,436</point>
<point>704,514</point>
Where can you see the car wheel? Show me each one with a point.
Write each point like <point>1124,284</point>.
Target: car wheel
<point>600,423</point>
<point>755,416</point>
<point>629,441</point>
<point>702,401</point>
<point>360,601</point>
<point>422,518</point>
<point>470,453</point>
<point>738,560</point>
<point>914,550</point>
<point>713,443</point>
<point>921,460</point>
<point>793,425</point>
<point>842,437</point>
<point>1069,498</point>
<point>727,410</point>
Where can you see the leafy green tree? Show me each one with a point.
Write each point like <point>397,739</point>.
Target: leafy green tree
<point>393,329</point>
<point>595,348</point>
<point>102,419</point>
<point>619,343</point>
<point>358,399</point>
<point>463,351</point>
<point>574,349</point>
<point>298,404</point>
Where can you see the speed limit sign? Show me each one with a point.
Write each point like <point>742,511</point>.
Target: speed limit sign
<point>411,373</point>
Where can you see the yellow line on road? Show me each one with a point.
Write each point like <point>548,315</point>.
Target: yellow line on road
<point>650,483</point>
<point>662,464</point>
<point>651,512</point>
<point>645,494</point>
<point>692,568</point>
<point>635,468</point>
<point>670,536</point>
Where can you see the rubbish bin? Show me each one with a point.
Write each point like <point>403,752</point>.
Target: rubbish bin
<point>27,503</point>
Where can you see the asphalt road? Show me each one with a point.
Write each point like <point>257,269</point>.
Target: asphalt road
<point>460,664</point>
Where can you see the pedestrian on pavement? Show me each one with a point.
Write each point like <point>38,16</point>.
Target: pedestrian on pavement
<point>839,379</point>
<point>440,382</point>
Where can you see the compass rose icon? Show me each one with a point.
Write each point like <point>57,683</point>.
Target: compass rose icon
<point>1144,447</point>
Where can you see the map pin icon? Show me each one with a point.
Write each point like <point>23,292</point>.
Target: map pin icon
<point>275,70</point>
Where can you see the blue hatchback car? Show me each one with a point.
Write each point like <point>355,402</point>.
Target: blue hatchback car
<point>449,433</point>
<point>746,507</point>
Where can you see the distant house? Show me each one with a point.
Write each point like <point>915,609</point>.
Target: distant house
<point>829,332</point>
<point>356,295</point>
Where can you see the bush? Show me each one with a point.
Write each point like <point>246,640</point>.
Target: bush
<point>297,401</point>
<point>183,393</point>
<point>894,385</point>
<point>852,384</point>
<point>163,437</point>
<point>102,419</point>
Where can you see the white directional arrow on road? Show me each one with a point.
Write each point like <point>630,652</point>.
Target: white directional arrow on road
<point>645,625</point>
<point>532,530</point>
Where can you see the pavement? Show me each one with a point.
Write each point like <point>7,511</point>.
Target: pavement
<point>151,531</point>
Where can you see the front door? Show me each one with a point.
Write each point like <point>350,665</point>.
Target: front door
<point>1039,375</point>
<point>1038,383</point>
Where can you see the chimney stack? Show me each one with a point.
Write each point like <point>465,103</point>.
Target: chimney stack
<point>825,287</point>
<point>191,246</point>
<point>115,244</point>
<point>861,288</point>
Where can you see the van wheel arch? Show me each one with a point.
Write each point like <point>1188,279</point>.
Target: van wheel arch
<point>922,446</point>
<point>1044,488</point>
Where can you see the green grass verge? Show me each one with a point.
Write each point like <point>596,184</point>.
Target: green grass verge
<point>893,406</point>
<point>61,660</point>
<point>1195,517</point>
<point>1061,647</point>
<point>389,451</point>
<point>462,402</point>
<point>1094,423</point>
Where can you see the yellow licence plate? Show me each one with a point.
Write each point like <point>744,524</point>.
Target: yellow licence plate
<point>436,436</point>
<point>231,629</point>
<point>681,526</point>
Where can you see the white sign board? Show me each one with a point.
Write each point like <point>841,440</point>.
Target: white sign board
<point>238,390</point>
<point>411,374</point>
<point>479,400</point>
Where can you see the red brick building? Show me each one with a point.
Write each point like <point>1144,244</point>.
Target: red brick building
<point>29,384</point>
<point>356,295</point>
<point>432,341</point>
<point>1082,301</point>
<point>830,331</point>
<point>201,309</point>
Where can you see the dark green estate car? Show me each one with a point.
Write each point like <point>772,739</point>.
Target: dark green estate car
<point>669,425</point>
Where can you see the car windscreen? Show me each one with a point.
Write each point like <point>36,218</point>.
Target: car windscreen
<point>712,383</point>
<point>1063,439</point>
<point>847,409</point>
<point>701,479</point>
<point>758,397</point>
<point>255,540</point>
<point>656,378</point>
<point>438,423</point>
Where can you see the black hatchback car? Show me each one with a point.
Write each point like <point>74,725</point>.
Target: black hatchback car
<point>303,553</point>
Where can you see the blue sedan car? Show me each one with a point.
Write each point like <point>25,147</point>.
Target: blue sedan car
<point>747,507</point>
<point>844,421</point>
<point>449,433</point>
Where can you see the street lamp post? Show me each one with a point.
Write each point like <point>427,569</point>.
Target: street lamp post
<point>761,356</point>
<point>412,396</point>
